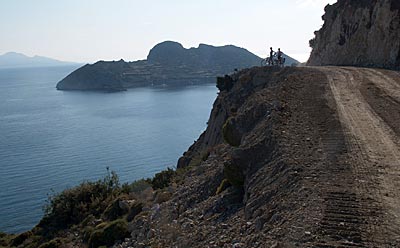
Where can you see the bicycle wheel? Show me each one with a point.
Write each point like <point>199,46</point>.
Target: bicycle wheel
<point>264,62</point>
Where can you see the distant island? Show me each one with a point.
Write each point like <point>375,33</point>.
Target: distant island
<point>168,63</point>
<point>19,60</point>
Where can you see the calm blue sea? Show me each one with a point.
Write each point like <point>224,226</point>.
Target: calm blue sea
<point>52,140</point>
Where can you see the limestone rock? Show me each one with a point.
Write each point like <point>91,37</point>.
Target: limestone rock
<point>359,33</point>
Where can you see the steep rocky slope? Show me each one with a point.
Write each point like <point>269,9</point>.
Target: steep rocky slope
<point>361,33</point>
<point>168,63</point>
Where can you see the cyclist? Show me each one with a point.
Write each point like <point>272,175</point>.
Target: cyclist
<point>279,55</point>
<point>271,56</point>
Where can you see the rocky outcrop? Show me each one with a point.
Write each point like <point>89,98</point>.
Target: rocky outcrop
<point>168,63</point>
<point>104,76</point>
<point>359,33</point>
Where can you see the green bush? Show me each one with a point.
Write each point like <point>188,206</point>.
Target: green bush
<point>163,179</point>
<point>230,134</point>
<point>74,205</point>
<point>116,230</point>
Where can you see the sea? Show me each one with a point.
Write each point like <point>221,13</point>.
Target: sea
<point>52,140</point>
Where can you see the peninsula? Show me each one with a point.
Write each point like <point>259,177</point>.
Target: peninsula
<point>168,63</point>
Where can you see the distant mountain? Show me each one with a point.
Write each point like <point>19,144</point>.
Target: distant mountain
<point>168,63</point>
<point>19,60</point>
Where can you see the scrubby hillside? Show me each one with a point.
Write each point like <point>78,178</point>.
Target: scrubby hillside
<point>360,33</point>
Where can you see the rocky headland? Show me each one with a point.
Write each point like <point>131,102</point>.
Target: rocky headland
<point>359,33</point>
<point>168,63</point>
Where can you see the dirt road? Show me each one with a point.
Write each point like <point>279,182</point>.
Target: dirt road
<point>365,210</point>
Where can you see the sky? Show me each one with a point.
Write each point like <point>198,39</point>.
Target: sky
<point>90,30</point>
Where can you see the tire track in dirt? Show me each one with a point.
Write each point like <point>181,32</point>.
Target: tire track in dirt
<point>385,82</point>
<point>365,210</point>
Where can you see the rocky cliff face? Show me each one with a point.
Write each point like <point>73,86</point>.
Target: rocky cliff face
<point>359,33</point>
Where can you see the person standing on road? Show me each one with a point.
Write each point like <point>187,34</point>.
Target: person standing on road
<point>271,56</point>
<point>279,55</point>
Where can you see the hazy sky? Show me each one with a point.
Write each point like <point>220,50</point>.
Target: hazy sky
<point>91,30</point>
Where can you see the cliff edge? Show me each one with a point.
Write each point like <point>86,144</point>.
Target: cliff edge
<point>359,33</point>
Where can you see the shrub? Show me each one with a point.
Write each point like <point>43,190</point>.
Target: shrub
<point>116,230</point>
<point>113,210</point>
<point>163,179</point>
<point>74,205</point>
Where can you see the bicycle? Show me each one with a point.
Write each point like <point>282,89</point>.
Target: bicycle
<point>266,61</point>
<point>274,62</point>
